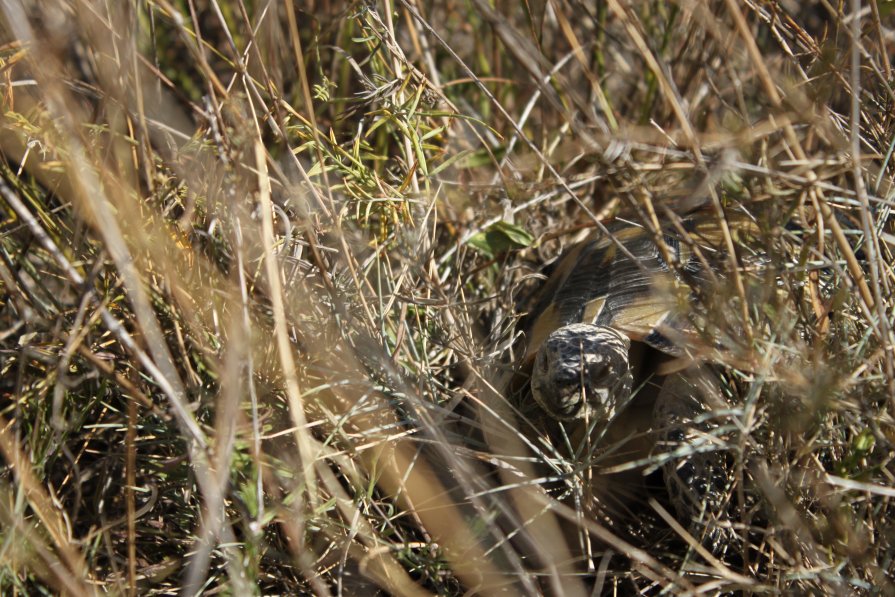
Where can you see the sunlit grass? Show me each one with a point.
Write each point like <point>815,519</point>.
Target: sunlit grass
<point>263,268</point>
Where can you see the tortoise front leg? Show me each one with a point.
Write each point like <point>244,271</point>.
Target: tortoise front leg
<point>692,452</point>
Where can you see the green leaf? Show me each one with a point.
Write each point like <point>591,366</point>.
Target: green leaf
<point>863,443</point>
<point>500,238</point>
<point>520,236</point>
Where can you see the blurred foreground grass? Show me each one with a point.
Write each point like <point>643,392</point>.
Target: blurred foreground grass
<point>260,264</point>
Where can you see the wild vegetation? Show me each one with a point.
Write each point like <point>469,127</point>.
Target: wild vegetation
<point>263,266</point>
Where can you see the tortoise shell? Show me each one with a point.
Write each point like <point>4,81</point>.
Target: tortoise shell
<point>617,304</point>
<point>623,281</point>
<point>605,293</point>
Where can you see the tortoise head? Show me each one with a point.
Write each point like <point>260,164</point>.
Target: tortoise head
<point>582,369</point>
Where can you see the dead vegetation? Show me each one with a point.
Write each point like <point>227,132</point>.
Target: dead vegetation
<point>261,265</point>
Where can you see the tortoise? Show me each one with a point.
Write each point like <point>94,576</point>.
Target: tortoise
<point>600,330</point>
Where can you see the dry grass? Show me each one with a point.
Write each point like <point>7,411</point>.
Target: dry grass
<point>261,267</point>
